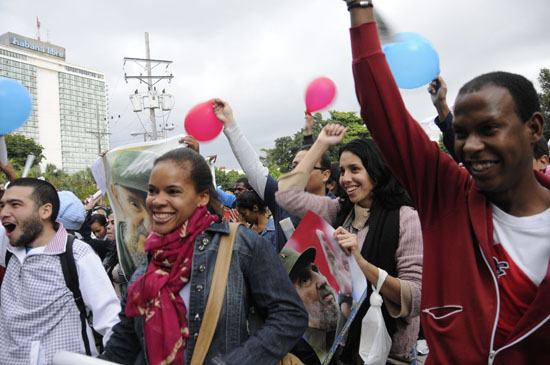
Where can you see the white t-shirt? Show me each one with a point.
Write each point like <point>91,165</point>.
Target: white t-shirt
<point>520,253</point>
<point>526,240</point>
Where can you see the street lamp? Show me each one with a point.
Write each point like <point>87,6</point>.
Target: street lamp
<point>145,134</point>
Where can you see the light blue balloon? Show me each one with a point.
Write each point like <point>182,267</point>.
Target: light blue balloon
<point>15,105</point>
<point>413,60</point>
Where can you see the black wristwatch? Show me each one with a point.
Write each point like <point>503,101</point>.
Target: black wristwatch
<point>352,4</point>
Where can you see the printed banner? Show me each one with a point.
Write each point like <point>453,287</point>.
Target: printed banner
<point>127,169</point>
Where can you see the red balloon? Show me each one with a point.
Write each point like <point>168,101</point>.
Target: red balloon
<point>202,123</point>
<point>319,94</point>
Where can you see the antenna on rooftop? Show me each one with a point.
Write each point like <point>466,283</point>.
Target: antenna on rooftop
<point>37,28</point>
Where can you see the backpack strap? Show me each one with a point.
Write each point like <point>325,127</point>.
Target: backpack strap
<point>70,274</point>
<point>7,259</point>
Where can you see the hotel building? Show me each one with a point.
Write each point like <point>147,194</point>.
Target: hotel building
<point>69,101</point>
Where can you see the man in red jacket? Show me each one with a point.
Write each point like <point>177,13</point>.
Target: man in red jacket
<point>486,228</point>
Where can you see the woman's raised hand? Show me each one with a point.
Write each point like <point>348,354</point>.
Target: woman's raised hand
<point>223,112</point>
<point>332,134</point>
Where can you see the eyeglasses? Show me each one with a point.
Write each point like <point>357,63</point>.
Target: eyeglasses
<point>292,167</point>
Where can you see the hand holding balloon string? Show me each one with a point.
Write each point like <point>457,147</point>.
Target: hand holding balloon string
<point>223,112</point>
<point>308,124</point>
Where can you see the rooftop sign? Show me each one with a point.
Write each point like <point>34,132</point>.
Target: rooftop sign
<point>15,40</point>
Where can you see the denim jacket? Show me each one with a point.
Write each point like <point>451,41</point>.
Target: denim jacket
<point>256,278</point>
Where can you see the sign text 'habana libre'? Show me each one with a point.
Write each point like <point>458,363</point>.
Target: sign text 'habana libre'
<point>38,48</point>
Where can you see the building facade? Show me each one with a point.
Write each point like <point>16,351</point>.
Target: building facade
<point>69,101</point>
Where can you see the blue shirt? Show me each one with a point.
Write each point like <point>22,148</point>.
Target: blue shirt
<point>270,234</point>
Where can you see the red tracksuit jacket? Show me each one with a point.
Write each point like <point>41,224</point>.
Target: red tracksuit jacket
<point>460,300</point>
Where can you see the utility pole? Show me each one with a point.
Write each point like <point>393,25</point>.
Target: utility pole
<point>98,132</point>
<point>149,77</point>
<point>156,101</point>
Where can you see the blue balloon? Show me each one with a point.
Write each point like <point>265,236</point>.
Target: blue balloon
<point>15,105</point>
<point>412,59</point>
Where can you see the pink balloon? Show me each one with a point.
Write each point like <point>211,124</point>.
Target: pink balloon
<point>202,123</point>
<point>319,94</point>
<point>548,170</point>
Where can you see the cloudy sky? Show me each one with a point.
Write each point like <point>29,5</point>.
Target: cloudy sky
<point>260,55</point>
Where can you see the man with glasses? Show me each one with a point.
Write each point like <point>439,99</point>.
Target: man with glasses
<point>317,183</point>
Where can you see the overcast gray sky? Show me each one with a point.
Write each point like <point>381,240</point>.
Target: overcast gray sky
<point>260,55</point>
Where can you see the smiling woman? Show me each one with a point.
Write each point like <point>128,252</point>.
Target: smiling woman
<point>175,284</point>
<point>376,223</point>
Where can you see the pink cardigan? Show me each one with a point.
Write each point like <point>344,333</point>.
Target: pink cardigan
<point>408,257</point>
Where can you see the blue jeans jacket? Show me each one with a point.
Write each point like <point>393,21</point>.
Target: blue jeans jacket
<point>256,278</point>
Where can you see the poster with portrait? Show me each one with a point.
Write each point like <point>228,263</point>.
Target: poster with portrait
<point>127,169</point>
<point>333,276</point>
<point>340,270</point>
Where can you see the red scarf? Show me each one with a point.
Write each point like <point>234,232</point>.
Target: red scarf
<point>155,295</point>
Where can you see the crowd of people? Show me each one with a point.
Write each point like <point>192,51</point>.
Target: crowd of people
<point>463,235</point>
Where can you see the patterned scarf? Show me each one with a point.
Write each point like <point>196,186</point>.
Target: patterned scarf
<point>155,295</point>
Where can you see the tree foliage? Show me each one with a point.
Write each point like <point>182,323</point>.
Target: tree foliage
<point>544,80</point>
<point>226,179</point>
<point>19,147</point>
<point>81,183</point>
<point>279,158</point>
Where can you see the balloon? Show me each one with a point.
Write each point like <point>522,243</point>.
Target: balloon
<point>15,105</point>
<point>548,171</point>
<point>319,94</point>
<point>413,60</point>
<point>202,123</point>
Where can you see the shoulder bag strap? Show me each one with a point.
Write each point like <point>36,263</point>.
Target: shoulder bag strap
<point>71,280</point>
<point>215,297</point>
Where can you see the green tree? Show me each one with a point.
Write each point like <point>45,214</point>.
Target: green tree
<point>544,80</point>
<point>81,183</point>
<point>19,147</point>
<point>279,158</point>
<point>226,179</point>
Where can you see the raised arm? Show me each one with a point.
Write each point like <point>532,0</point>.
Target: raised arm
<point>308,129</point>
<point>292,196</point>
<point>361,15</point>
<point>332,134</point>
<point>242,149</point>
<point>444,120</point>
<point>7,169</point>
<point>419,165</point>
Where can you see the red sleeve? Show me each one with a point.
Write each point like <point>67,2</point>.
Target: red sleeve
<point>429,175</point>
